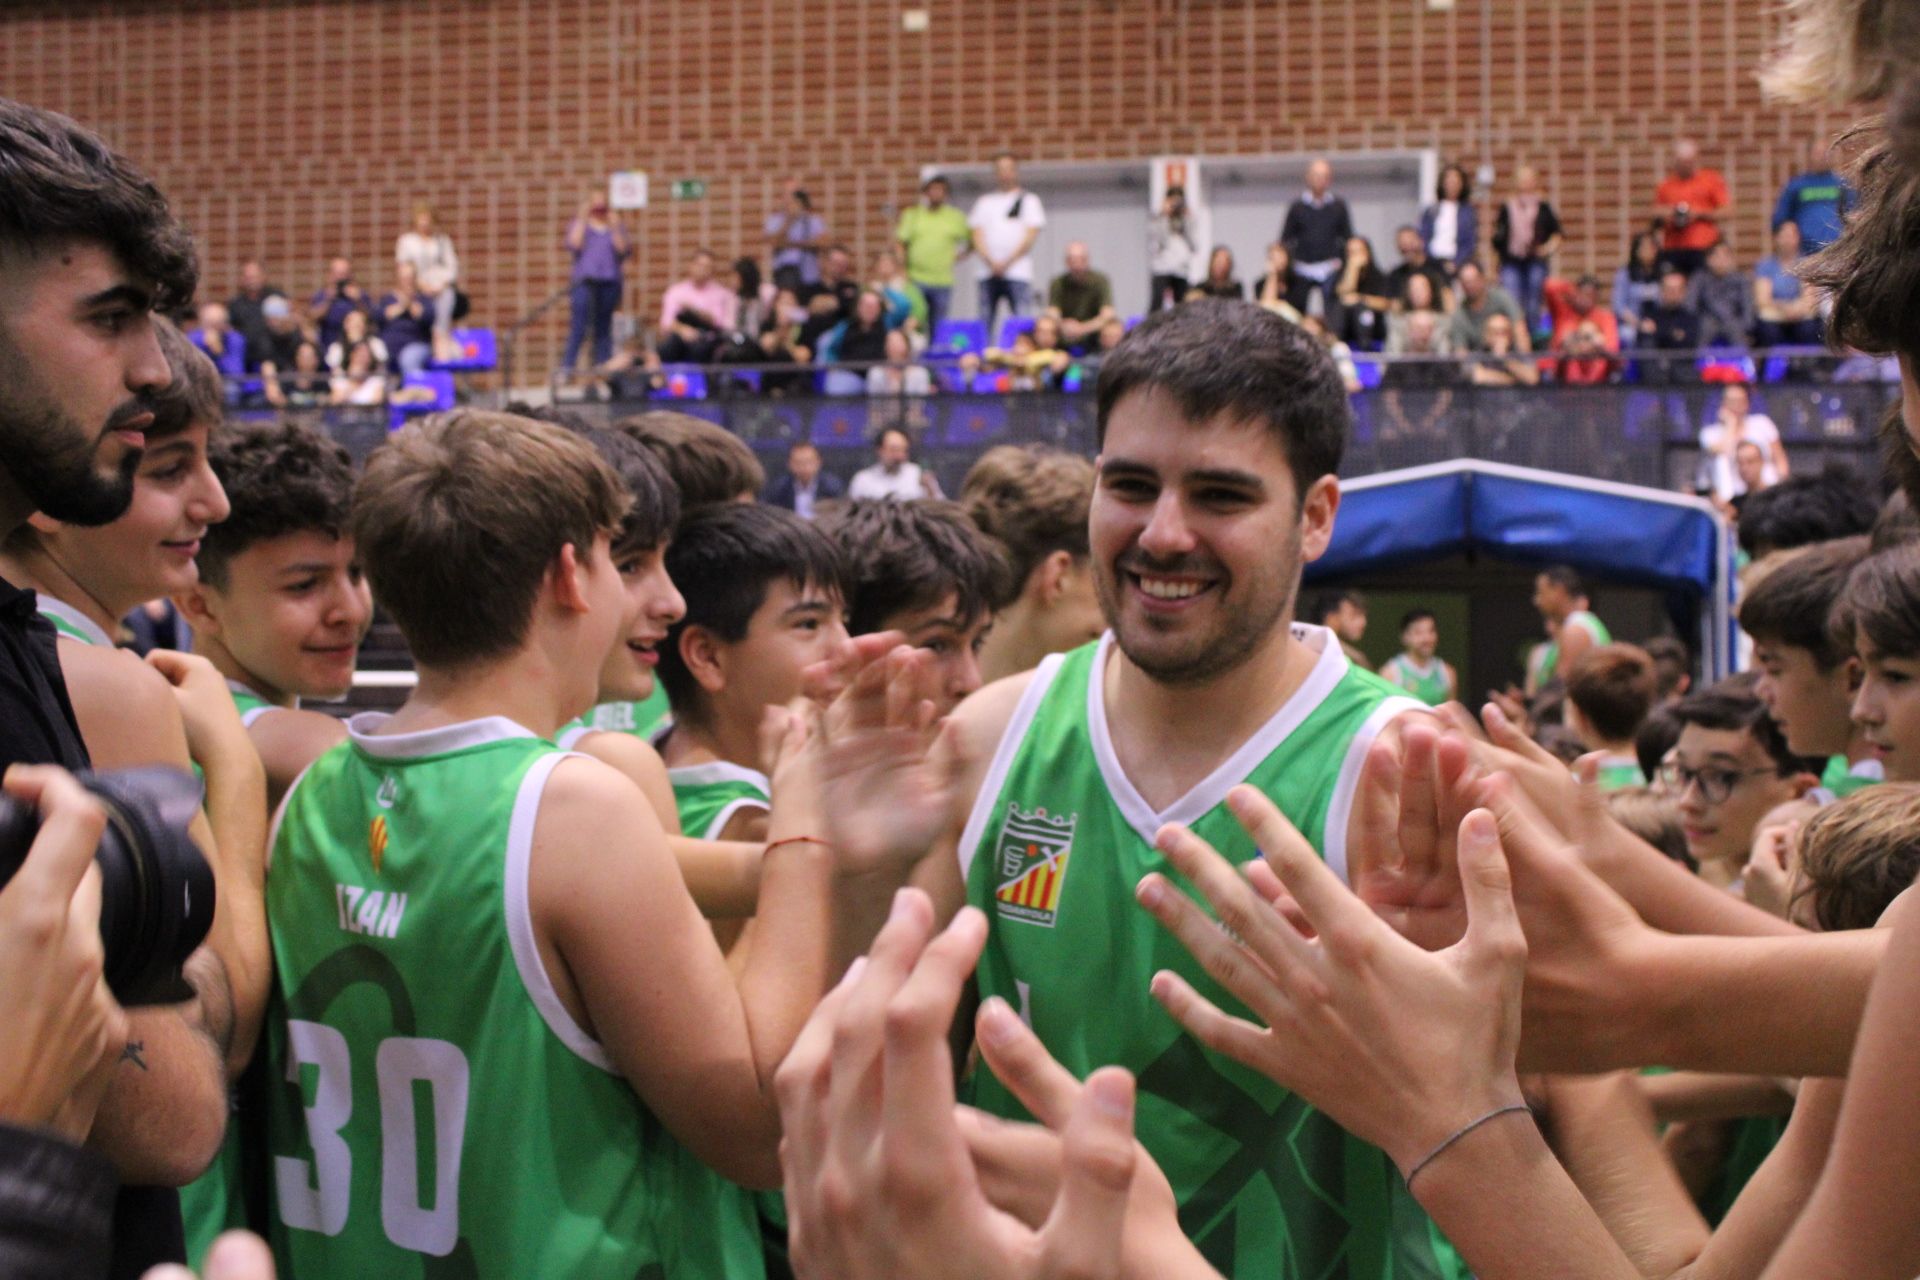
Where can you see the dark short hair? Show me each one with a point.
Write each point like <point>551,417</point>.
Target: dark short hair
<point>1412,616</point>
<point>723,560</point>
<point>1327,603</point>
<point>655,511</point>
<point>1613,686</point>
<point>281,478</point>
<point>197,393</point>
<point>1897,521</point>
<point>1733,705</point>
<point>903,556</point>
<point>1672,662</point>
<point>1881,598</point>
<point>1872,272</point>
<point>1793,603</point>
<point>1658,732</point>
<point>59,181</point>
<point>708,463</point>
<point>1216,356</point>
<point>1566,577</point>
<point>940,178</point>
<point>1588,281</point>
<point>1802,509</point>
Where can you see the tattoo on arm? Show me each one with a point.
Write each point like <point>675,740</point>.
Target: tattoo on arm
<point>132,1053</point>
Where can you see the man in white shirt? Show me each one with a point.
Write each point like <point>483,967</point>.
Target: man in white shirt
<point>1720,441</point>
<point>893,476</point>
<point>1005,223</point>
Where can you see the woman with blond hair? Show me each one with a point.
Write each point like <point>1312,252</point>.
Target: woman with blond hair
<point>436,268</point>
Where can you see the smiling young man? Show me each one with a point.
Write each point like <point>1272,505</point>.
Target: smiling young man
<point>1221,431</point>
<point>1879,607</point>
<point>281,607</point>
<point>1730,767</point>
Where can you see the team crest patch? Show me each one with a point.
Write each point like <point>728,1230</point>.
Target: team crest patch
<point>1031,864</point>
<point>377,841</point>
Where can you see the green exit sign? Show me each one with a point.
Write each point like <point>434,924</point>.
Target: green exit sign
<point>690,189</point>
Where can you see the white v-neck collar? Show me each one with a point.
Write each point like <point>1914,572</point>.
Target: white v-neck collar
<point>1328,670</point>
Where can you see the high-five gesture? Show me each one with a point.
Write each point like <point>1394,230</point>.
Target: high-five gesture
<point>1404,837</point>
<point>1401,1046</point>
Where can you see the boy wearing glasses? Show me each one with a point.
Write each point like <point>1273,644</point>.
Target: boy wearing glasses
<point>1729,768</point>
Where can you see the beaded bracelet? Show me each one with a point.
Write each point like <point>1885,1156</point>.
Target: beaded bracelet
<point>1458,1134</point>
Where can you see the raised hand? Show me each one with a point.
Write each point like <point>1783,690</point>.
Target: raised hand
<point>237,1255</point>
<point>878,1179</point>
<point>1403,841</point>
<point>1400,1046</point>
<point>206,705</point>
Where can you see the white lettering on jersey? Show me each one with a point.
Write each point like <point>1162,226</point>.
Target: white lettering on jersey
<point>369,911</point>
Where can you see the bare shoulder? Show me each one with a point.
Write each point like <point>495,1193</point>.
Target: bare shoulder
<point>632,756</point>
<point>114,680</point>
<point>983,718</point>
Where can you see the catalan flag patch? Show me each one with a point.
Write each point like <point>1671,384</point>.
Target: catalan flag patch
<point>1031,864</point>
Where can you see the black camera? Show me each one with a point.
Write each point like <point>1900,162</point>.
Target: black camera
<point>156,889</point>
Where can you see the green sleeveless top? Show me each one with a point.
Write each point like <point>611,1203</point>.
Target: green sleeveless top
<point>70,622</point>
<point>1842,777</point>
<point>1619,772</point>
<point>641,719</point>
<point>1429,683</point>
<point>1057,840</point>
<point>443,1116</point>
<point>708,795</point>
<point>1583,621</point>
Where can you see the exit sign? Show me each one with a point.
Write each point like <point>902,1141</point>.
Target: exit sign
<point>690,189</point>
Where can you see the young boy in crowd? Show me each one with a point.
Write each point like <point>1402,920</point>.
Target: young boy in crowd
<point>1034,501</point>
<point>1879,609</point>
<point>1807,667</point>
<point>456,830</point>
<point>922,568</point>
<point>1730,767</point>
<point>705,464</point>
<point>1418,668</point>
<point>88,578</point>
<point>1855,857</point>
<point>280,606</point>
<point>1609,693</point>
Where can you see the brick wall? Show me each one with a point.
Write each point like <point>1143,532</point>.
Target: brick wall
<point>296,130</point>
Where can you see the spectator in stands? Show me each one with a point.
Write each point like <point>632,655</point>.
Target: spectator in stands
<point>1502,361</point>
<point>829,300</point>
<point>933,235</point>
<point>804,483</point>
<point>1572,303</point>
<point>356,332</point>
<point>1449,227</point>
<point>1316,231</point>
<point>1526,235</point>
<point>436,269</point>
<point>861,339</point>
<point>1280,290</point>
<point>1637,283</point>
<point>899,376</point>
<point>1365,297</point>
<point>1417,326</point>
<point>1669,323</point>
<point>893,473</point>
<point>1103,344</point>
<point>330,306</point>
<point>1219,282</point>
<point>1171,251</point>
<point>1735,423</point>
<point>1080,299</point>
<point>1690,204</point>
<point>1030,366</point>
<point>360,381</point>
<point>1005,222</point>
<point>1584,359</point>
<point>696,313</point>
<point>752,296</point>
<point>1750,464</point>
<point>284,336</point>
<point>906,305</point>
<point>1342,354</point>
<point>597,239</point>
<point>246,310</point>
<point>406,321</point>
<point>1480,299</point>
<point>1722,296</point>
<point>1787,312</point>
<point>1814,202</point>
<point>215,336</point>
<point>301,384</point>
<point>796,236</point>
<point>777,344</point>
<point>1415,262</point>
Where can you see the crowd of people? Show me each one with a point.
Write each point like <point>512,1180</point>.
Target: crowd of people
<point>722,846</point>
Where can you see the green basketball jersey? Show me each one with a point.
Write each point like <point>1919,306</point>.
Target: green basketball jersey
<point>1057,841</point>
<point>1580,620</point>
<point>250,704</point>
<point>1429,683</point>
<point>1618,772</point>
<point>70,622</point>
<point>708,795</point>
<point>441,1113</point>
<point>641,719</point>
<point>1842,777</point>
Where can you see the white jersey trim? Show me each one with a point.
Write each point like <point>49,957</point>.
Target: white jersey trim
<point>429,742</point>
<point>1016,733</point>
<point>526,952</point>
<point>700,775</point>
<point>568,739</point>
<point>279,814</point>
<point>1328,670</point>
<point>251,714</point>
<point>62,611</point>
<point>1347,785</point>
<point>725,815</point>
